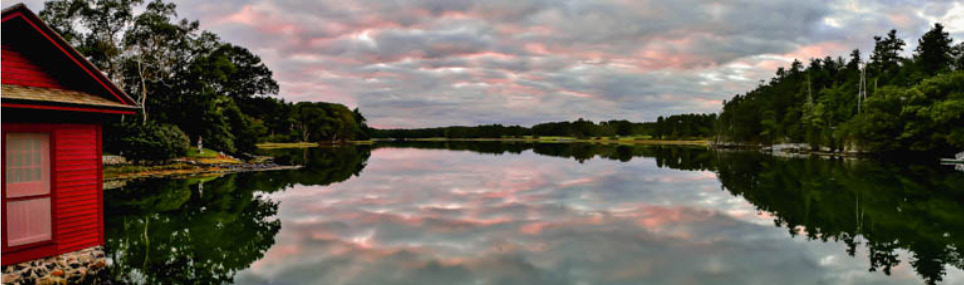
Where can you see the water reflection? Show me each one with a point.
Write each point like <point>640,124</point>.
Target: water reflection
<point>675,157</point>
<point>205,230</point>
<point>621,215</point>
<point>885,206</point>
<point>168,233</point>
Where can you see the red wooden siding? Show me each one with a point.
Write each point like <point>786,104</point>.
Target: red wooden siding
<point>34,55</point>
<point>77,179</point>
<point>76,188</point>
<point>17,69</point>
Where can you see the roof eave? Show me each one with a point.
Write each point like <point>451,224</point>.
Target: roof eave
<point>58,40</point>
<point>36,104</point>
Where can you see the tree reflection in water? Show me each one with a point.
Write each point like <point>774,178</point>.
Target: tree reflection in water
<point>884,206</point>
<point>205,230</point>
<point>173,232</point>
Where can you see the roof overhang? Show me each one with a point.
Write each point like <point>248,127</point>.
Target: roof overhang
<point>16,96</point>
<point>114,100</point>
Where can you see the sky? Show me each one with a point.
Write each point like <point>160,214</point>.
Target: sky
<point>433,63</point>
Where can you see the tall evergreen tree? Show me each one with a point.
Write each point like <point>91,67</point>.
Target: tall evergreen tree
<point>933,52</point>
<point>886,55</point>
<point>855,60</point>
<point>907,108</point>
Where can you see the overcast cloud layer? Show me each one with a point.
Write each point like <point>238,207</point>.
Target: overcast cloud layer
<point>449,62</point>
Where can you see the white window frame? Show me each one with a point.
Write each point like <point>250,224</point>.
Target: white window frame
<point>28,191</point>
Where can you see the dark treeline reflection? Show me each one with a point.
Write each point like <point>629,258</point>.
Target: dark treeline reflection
<point>676,157</point>
<point>205,230</point>
<point>883,206</point>
<point>200,231</point>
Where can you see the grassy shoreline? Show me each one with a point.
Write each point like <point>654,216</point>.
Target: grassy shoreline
<point>180,169</point>
<point>197,163</point>
<point>273,145</point>
<point>125,172</point>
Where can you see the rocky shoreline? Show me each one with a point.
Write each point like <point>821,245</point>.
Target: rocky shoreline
<point>182,169</point>
<point>791,149</point>
<point>86,266</point>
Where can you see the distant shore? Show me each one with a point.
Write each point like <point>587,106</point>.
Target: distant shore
<point>602,140</point>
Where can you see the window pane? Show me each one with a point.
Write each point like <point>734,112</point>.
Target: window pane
<point>28,221</point>
<point>28,164</point>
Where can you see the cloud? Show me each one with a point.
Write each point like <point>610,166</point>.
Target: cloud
<point>415,63</point>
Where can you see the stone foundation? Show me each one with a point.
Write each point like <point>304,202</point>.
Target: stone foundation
<point>86,266</point>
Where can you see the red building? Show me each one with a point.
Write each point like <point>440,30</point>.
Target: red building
<point>53,102</point>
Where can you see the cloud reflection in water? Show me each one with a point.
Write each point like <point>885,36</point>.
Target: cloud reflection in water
<point>442,217</point>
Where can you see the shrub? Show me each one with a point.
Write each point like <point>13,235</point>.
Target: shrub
<point>147,142</point>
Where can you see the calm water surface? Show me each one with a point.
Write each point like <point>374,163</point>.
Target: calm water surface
<point>490,213</point>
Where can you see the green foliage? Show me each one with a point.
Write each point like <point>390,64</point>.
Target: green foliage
<point>886,56</point>
<point>958,53</point>
<point>934,50</point>
<point>275,120</point>
<point>324,122</point>
<point>148,141</point>
<point>93,27</point>
<point>911,103</point>
<point>926,117</point>
<point>685,126</point>
<point>183,76</point>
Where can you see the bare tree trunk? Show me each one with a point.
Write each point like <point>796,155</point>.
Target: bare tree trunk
<point>140,72</point>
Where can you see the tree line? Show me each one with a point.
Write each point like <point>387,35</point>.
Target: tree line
<point>889,103</point>
<point>672,127</point>
<point>190,84</point>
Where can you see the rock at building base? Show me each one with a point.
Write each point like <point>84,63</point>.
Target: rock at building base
<point>79,267</point>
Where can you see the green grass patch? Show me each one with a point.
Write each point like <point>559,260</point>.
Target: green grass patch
<point>287,145</point>
<point>204,153</point>
<point>111,170</point>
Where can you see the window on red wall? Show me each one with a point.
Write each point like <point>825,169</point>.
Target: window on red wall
<point>27,203</point>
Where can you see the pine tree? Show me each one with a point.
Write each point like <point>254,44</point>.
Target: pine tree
<point>886,55</point>
<point>854,63</point>
<point>933,52</point>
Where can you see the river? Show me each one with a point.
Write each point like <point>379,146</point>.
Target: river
<point>518,213</point>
